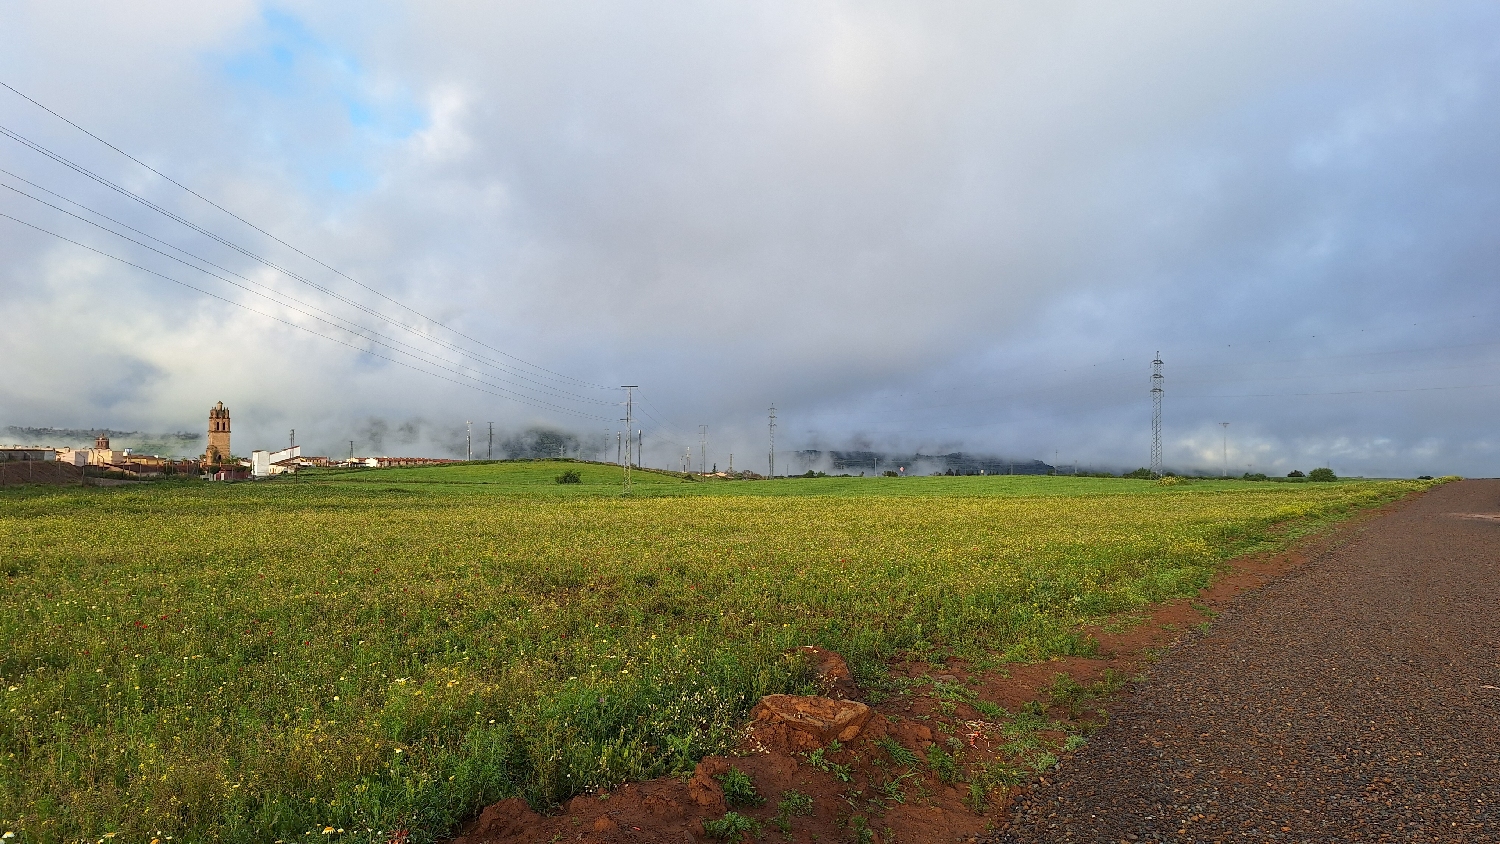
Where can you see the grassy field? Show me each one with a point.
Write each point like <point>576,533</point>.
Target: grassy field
<point>390,650</point>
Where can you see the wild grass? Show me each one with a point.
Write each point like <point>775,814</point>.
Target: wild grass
<point>388,651</point>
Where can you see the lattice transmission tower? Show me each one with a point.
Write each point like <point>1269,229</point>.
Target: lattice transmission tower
<point>629,419</point>
<point>771,427</point>
<point>1156,379</point>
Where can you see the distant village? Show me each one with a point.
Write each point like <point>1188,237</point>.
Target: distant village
<point>217,462</point>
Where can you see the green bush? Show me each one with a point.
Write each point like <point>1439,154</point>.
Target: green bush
<point>1141,474</point>
<point>570,477</point>
<point>732,827</point>
<point>1323,474</point>
<point>739,789</point>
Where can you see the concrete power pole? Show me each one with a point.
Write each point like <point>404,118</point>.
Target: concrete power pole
<point>489,451</point>
<point>629,411</point>
<point>771,426</point>
<point>292,440</point>
<point>469,440</point>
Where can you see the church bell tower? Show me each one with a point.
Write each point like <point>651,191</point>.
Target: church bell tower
<point>218,434</point>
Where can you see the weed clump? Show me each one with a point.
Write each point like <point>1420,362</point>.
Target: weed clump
<point>793,803</point>
<point>570,477</point>
<point>732,827</point>
<point>739,789</point>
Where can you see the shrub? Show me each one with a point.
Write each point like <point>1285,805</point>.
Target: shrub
<point>1141,474</point>
<point>732,827</point>
<point>570,477</point>
<point>892,473</point>
<point>1255,476</point>
<point>1323,474</point>
<point>739,789</point>
<point>1295,473</point>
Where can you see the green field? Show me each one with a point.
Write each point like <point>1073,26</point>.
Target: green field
<point>392,649</point>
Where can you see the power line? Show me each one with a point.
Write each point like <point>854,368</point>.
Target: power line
<point>107,183</point>
<point>505,369</point>
<point>503,392</point>
<point>276,297</point>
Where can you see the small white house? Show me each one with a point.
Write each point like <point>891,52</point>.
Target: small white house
<point>264,464</point>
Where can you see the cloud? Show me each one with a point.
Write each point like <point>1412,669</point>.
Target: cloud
<point>913,228</point>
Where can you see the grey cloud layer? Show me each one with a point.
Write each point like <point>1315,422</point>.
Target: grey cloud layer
<point>918,227</point>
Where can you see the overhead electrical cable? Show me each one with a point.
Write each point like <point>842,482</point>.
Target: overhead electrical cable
<point>315,260</point>
<point>248,253</point>
<point>470,355</point>
<point>282,299</point>
<point>503,392</point>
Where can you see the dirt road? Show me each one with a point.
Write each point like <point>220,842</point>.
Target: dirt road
<point>1357,699</point>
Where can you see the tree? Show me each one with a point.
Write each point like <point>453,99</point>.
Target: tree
<point>1295,473</point>
<point>1324,474</point>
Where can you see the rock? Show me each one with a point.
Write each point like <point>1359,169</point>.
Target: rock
<point>504,821</point>
<point>796,723</point>
<point>703,789</point>
<point>604,823</point>
<point>831,671</point>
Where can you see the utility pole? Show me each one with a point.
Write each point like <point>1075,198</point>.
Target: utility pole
<point>351,449</point>
<point>640,446</point>
<point>772,428</point>
<point>629,410</point>
<point>469,439</point>
<point>731,463</point>
<point>1226,448</point>
<point>489,451</point>
<point>619,450</point>
<point>1156,381</point>
<point>703,449</point>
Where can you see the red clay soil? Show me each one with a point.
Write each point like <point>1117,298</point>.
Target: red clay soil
<point>861,790</point>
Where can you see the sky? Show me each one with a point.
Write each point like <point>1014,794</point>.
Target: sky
<point>925,227</point>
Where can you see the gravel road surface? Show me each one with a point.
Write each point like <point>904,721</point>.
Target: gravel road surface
<point>1356,699</point>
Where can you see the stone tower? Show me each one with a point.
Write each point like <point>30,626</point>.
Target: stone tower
<point>218,434</point>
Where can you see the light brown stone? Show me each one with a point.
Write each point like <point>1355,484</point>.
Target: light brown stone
<point>798,723</point>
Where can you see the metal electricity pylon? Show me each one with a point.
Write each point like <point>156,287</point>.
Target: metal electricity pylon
<point>1156,390</point>
<point>1226,448</point>
<point>772,428</point>
<point>629,396</point>
<point>703,448</point>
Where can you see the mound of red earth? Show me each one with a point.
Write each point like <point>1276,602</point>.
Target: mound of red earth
<point>938,756</point>
<point>49,472</point>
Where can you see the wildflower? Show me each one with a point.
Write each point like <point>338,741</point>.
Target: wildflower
<point>327,830</point>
